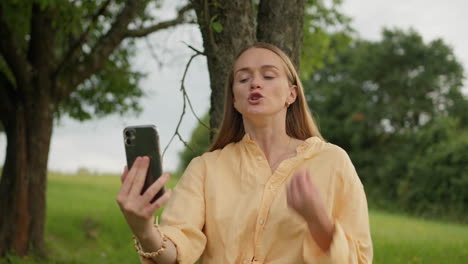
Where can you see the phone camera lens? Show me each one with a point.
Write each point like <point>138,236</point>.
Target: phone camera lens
<point>128,141</point>
<point>130,133</point>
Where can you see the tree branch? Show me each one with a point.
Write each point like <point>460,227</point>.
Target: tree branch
<point>185,100</point>
<point>76,72</point>
<point>136,33</point>
<point>153,54</point>
<point>13,54</point>
<point>83,36</point>
<point>194,49</point>
<point>182,88</point>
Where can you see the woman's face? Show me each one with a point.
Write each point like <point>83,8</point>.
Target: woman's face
<point>260,84</point>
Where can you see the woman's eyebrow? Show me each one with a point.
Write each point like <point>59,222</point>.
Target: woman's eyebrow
<point>243,69</point>
<point>270,67</point>
<point>262,67</point>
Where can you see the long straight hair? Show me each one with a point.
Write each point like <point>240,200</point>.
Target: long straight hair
<point>299,122</point>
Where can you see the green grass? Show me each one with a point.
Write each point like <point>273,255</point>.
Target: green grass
<point>85,225</point>
<point>402,239</point>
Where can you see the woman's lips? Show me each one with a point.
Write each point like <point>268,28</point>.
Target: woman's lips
<point>255,98</point>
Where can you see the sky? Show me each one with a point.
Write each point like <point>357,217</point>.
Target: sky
<point>97,145</point>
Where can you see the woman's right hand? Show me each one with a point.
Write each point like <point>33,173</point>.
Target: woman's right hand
<point>137,208</point>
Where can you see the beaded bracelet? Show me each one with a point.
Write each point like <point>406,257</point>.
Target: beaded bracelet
<point>156,253</point>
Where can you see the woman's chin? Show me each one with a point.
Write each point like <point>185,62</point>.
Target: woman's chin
<point>261,112</point>
<point>255,111</point>
<point>258,115</point>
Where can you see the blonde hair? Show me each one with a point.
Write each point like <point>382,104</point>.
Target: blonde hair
<point>299,121</point>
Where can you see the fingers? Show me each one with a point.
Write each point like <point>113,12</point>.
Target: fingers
<point>297,182</point>
<point>155,187</point>
<point>127,180</point>
<point>129,177</point>
<point>150,210</point>
<point>289,194</point>
<point>298,188</point>
<point>308,176</point>
<point>124,174</point>
<point>304,182</point>
<point>139,169</point>
<point>292,191</point>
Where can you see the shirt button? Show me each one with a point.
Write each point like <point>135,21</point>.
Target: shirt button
<point>262,222</point>
<point>271,186</point>
<point>259,157</point>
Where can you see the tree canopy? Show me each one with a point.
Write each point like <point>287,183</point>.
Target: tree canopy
<point>60,58</point>
<point>377,89</point>
<point>89,46</point>
<point>394,105</point>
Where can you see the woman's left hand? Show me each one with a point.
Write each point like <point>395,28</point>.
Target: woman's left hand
<point>304,198</point>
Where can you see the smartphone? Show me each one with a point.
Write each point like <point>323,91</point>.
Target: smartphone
<point>144,141</point>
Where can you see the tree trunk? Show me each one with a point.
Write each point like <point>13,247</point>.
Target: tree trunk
<point>23,182</point>
<point>238,31</point>
<point>279,23</point>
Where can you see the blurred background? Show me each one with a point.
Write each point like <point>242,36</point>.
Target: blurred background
<point>73,144</point>
<point>386,81</point>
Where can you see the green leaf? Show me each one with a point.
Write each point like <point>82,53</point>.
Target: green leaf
<point>217,27</point>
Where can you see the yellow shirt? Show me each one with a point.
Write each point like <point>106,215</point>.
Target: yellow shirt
<point>229,208</point>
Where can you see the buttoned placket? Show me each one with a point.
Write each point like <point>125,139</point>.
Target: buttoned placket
<point>269,191</point>
<point>273,182</point>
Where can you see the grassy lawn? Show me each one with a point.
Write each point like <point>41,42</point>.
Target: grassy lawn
<point>401,239</point>
<point>84,225</point>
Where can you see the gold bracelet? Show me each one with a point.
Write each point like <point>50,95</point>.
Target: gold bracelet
<point>156,253</point>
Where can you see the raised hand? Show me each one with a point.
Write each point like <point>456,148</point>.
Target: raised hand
<point>137,208</point>
<point>304,198</point>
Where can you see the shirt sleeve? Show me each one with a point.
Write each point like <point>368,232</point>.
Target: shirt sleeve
<point>183,218</point>
<point>351,243</point>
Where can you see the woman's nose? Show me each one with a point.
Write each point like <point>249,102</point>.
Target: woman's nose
<point>255,83</point>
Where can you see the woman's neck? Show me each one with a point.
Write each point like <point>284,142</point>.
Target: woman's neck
<point>272,139</point>
<point>269,133</point>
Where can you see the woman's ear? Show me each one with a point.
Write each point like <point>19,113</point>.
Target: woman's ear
<point>292,94</point>
<point>234,102</point>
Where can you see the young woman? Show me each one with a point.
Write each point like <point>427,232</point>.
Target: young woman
<point>270,190</point>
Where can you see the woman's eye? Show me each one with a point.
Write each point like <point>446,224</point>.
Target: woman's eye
<point>268,77</point>
<point>243,80</point>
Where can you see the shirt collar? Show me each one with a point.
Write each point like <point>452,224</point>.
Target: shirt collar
<point>309,148</point>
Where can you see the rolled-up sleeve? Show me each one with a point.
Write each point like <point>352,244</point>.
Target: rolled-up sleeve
<point>183,219</point>
<point>351,242</point>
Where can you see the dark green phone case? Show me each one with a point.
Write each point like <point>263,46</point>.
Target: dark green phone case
<point>144,141</point>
